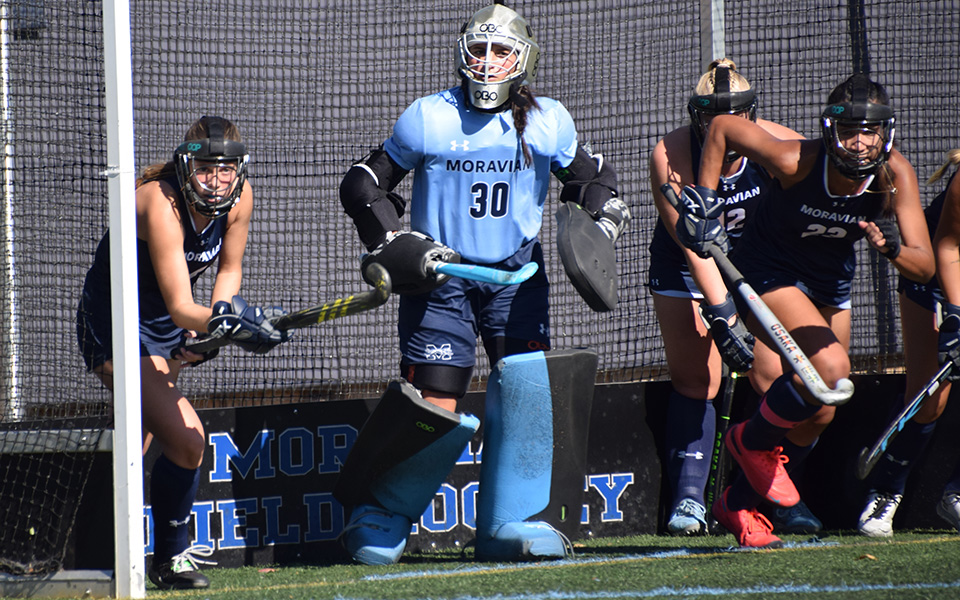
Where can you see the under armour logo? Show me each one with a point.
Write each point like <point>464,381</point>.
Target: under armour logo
<point>454,145</point>
<point>902,463</point>
<point>729,187</point>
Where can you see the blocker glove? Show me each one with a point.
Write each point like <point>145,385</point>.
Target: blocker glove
<point>948,341</point>
<point>699,227</point>
<point>405,254</point>
<point>247,326</point>
<point>734,342</point>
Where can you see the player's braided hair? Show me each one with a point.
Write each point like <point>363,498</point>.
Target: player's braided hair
<point>523,100</point>
<point>707,83</point>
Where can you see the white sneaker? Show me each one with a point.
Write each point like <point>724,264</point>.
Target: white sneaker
<point>876,520</point>
<point>949,509</point>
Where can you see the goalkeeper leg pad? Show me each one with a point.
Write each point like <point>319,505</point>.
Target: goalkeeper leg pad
<point>588,257</point>
<point>534,454</point>
<point>399,460</point>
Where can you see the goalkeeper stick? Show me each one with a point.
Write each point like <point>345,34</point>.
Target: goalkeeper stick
<point>777,333</point>
<point>484,274</point>
<point>328,311</point>
<point>869,457</point>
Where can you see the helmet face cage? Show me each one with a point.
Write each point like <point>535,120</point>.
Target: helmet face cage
<point>488,82</point>
<point>216,153</point>
<point>843,119</point>
<point>729,103</point>
<point>721,102</point>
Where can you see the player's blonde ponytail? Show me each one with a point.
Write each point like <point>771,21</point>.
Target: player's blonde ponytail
<point>953,158</point>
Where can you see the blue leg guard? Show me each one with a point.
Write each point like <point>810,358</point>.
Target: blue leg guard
<point>534,455</point>
<point>399,460</point>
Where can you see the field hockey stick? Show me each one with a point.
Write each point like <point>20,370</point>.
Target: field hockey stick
<point>718,458</point>
<point>781,338</point>
<point>870,456</point>
<point>484,274</point>
<point>328,311</point>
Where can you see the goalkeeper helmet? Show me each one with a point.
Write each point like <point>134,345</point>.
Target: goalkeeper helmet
<point>211,169</point>
<point>858,108</point>
<point>497,53</point>
<point>718,99</point>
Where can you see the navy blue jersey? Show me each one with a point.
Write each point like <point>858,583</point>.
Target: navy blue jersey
<point>158,334</point>
<point>807,237</point>
<point>742,192</point>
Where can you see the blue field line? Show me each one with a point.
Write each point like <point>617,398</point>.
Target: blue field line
<point>685,592</point>
<point>763,591</point>
<point>678,553</point>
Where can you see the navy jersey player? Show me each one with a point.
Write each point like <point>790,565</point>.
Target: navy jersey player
<point>482,154</point>
<point>677,276</point>
<point>799,253</point>
<point>919,301</point>
<point>192,212</point>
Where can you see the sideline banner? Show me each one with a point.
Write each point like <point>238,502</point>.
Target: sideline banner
<point>266,487</point>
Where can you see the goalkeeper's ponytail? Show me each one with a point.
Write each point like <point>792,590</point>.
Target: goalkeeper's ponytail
<point>522,101</point>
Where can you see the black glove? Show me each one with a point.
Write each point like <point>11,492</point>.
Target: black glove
<point>613,218</point>
<point>699,226</point>
<point>948,342</point>
<point>734,342</point>
<point>891,237</point>
<point>209,355</point>
<point>405,256</point>
<point>247,326</point>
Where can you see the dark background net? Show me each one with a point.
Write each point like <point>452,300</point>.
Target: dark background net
<point>314,85</point>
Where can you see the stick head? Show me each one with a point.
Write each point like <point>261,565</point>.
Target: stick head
<point>865,462</point>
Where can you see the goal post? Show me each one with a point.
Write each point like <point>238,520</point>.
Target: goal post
<point>129,574</point>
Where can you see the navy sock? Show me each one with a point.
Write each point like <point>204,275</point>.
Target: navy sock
<point>782,409</point>
<point>797,455</point>
<point>890,474</point>
<point>172,491</point>
<point>953,486</point>
<point>690,437</point>
<point>741,495</point>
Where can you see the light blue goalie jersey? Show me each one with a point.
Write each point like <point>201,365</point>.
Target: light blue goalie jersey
<point>471,189</point>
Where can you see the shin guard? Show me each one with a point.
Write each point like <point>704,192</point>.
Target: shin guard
<point>399,460</point>
<point>534,454</point>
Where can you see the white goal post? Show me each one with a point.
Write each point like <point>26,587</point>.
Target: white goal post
<point>129,573</point>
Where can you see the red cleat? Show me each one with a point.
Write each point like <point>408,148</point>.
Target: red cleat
<point>751,529</point>
<point>764,469</point>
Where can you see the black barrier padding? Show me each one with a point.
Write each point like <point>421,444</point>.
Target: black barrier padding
<point>625,447</point>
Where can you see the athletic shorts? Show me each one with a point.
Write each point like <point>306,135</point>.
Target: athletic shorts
<point>669,280</point>
<point>441,327</point>
<point>926,295</point>
<point>771,280</point>
<point>158,337</point>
